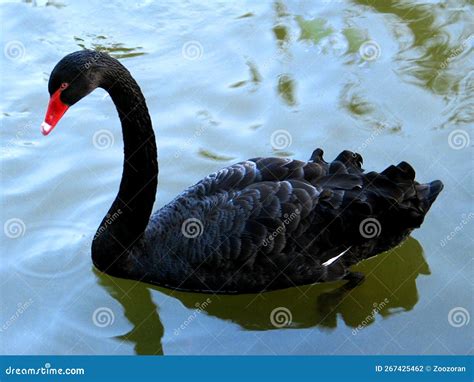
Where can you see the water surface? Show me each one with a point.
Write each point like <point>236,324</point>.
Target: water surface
<point>393,81</point>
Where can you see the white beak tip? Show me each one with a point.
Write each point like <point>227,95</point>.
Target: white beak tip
<point>46,128</point>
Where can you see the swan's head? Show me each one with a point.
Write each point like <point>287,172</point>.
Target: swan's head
<point>74,77</point>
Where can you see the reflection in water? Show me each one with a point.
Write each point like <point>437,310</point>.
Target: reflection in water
<point>431,54</point>
<point>354,102</point>
<point>437,55</point>
<point>140,310</point>
<point>245,15</point>
<point>370,113</point>
<point>214,156</point>
<point>355,38</point>
<point>280,9</point>
<point>101,43</point>
<point>48,3</point>
<point>437,50</point>
<point>313,30</point>
<point>286,89</point>
<point>255,78</point>
<point>281,34</point>
<point>389,288</point>
<point>460,109</point>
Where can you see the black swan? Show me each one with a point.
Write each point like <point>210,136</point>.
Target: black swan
<point>258,225</point>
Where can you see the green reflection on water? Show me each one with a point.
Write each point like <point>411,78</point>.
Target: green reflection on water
<point>389,288</point>
<point>281,34</point>
<point>438,49</point>
<point>140,311</point>
<point>245,15</point>
<point>214,156</point>
<point>313,30</point>
<point>286,89</point>
<point>117,50</point>
<point>355,37</point>
<point>255,77</point>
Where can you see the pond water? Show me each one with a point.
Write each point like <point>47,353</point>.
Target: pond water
<point>391,80</point>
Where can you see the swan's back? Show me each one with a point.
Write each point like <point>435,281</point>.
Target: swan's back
<point>269,223</point>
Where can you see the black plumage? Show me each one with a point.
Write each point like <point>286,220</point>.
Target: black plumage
<point>261,224</point>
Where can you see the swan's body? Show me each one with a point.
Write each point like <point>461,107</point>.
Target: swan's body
<point>261,224</point>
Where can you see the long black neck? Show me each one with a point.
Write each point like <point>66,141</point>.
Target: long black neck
<point>123,226</point>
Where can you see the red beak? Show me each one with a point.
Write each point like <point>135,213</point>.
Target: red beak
<point>56,109</point>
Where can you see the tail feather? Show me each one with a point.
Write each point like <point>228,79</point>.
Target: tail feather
<point>408,171</point>
<point>393,196</point>
<point>402,172</point>
<point>427,193</point>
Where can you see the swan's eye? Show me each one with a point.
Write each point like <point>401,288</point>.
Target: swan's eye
<point>64,85</point>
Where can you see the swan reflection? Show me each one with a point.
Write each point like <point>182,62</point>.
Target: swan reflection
<point>389,288</point>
